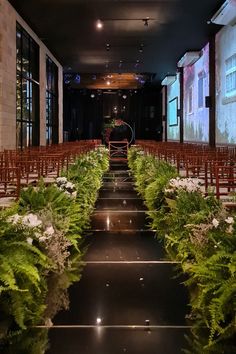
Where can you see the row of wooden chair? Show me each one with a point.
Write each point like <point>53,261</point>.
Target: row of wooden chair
<point>216,167</point>
<point>20,168</point>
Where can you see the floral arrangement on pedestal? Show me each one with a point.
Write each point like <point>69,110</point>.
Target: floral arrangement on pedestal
<point>108,127</point>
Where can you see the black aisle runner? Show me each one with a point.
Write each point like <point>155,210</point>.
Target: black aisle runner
<point>128,300</point>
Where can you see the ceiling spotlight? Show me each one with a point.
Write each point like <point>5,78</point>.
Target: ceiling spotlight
<point>108,82</point>
<point>108,47</point>
<point>99,24</point>
<point>141,48</point>
<point>137,63</point>
<point>145,21</point>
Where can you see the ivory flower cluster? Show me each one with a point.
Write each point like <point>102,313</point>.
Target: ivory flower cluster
<point>67,187</point>
<point>33,222</point>
<point>229,223</point>
<point>187,184</point>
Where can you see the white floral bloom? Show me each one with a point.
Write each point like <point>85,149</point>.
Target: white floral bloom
<point>42,238</point>
<point>14,219</point>
<point>31,220</point>
<point>49,231</point>
<point>61,180</point>
<point>186,184</point>
<point>69,185</point>
<point>215,223</point>
<point>29,240</point>
<point>229,220</point>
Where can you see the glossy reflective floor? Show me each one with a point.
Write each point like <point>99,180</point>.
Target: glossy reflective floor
<point>127,283</point>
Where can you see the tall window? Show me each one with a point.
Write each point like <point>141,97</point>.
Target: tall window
<point>51,102</point>
<point>27,89</point>
<point>230,71</point>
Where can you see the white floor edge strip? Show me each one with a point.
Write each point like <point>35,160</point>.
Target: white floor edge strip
<point>146,327</point>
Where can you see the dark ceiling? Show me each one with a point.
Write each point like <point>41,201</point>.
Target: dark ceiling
<point>68,29</point>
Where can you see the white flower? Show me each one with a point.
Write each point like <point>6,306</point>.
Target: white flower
<point>49,231</point>
<point>215,223</point>
<point>29,240</point>
<point>42,238</point>
<point>31,220</point>
<point>14,219</point>
<point>69,185</point>
<point>186,184</point>
<point>61,180</point>
<point>229,220</point>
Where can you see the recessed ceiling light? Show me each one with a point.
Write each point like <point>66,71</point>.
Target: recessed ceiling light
<point>108,82</point>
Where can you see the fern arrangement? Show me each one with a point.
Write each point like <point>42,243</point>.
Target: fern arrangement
<point>41,243</point>
<point>201,234</point>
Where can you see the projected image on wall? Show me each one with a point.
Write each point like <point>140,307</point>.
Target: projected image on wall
<point>196,88</point>
<point>226,86</point>
<point>173,95</point>
<point>173,112</point>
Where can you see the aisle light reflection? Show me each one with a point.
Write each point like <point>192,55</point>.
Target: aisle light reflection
<point>108,223</point>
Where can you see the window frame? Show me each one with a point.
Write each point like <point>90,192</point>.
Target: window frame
<point>27,106</point>
<point>52,121</point>
<point>230,72</point>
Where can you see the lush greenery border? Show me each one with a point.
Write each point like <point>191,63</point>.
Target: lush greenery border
<point>41,246</point>
<point>200,233</point>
